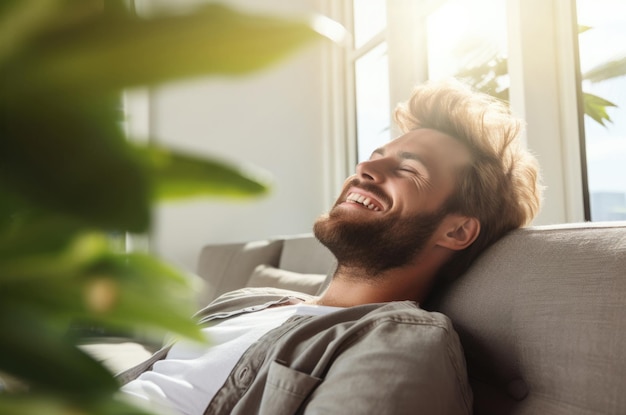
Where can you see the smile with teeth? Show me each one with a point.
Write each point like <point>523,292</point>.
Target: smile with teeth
<point>360,199</point>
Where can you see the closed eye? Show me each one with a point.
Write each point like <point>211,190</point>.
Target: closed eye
<point>414,174</point>
<point>408,169</point>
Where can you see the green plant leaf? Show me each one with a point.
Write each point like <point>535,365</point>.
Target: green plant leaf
<point>29,404</point>
<point>72,158</point>
<point>120,291</point>
<point>20,20</point>
<point>88,285</point>
<point>117,51</point>
<point>46,404</point>
<point>28,231</point>
<point>133,284</point>
<point>54,260</point>
<point>177,175</point>
<point>595,107</point>
<point>35,352</point>
<point>608,70</point>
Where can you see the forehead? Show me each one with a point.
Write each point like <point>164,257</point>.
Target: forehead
<point>434,147</point>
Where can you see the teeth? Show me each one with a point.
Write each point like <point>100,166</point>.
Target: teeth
<point>365,201</point>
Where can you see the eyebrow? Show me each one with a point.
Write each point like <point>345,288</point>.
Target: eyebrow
<point>379,150</point>
<point>406,155</point>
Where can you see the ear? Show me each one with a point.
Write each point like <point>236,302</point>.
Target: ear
<point>458,232</point>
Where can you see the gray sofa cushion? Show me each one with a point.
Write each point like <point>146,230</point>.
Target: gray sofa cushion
<point>228,267</point>
<point>267,276</point>
<point>542,318</point>
<point>305,254</point>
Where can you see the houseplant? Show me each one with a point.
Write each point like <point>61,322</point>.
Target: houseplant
<point>69,177</point>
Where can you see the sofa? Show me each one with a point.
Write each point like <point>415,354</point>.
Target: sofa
<point>541,314</point>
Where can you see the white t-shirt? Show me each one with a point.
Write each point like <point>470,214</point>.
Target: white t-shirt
<point>191,374</point>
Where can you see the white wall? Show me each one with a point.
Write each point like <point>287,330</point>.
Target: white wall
<point>271,119</point>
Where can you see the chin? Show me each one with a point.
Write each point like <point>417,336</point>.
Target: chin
<point>333,222</point>
<point>320,224</point>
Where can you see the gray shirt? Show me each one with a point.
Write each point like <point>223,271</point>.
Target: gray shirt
<point>388,358</point>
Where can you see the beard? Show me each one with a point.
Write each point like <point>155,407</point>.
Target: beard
<point>378,244</point>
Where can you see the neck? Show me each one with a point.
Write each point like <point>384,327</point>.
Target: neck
<point>352,286</point>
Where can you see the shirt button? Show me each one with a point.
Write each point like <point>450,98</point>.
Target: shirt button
<point>243,376</point>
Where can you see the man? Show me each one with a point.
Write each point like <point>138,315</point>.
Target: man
<point>413,216</point>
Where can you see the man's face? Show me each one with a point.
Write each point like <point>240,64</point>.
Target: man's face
<point>394,203</point>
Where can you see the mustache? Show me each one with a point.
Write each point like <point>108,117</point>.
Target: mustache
<point>371,188</point>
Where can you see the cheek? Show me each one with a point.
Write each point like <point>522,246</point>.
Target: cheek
<point>417,199</point>
<point>412,193</point>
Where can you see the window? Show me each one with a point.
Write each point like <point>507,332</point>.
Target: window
<point>372,100</point>
<point>369,65</point>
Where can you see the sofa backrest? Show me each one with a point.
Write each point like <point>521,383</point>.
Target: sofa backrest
<point>542,318</point>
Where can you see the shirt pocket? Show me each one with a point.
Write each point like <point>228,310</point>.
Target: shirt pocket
<point>286,389</point>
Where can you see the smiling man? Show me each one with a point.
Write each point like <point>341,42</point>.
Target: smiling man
<point>412,217</point>
<point>391,229</point>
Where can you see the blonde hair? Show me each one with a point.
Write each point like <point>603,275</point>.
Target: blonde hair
<point>501,186</point>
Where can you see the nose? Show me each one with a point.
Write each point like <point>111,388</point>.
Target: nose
<point>371,170</point>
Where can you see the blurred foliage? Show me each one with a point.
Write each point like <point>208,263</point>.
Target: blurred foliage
<point>488,77</point>
<point>69,177</point>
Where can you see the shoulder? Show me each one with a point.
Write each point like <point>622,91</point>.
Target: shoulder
<point>415,333</point>
<point>408,313</point>
<point>403,325</point>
